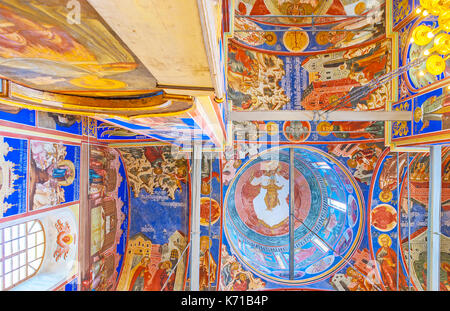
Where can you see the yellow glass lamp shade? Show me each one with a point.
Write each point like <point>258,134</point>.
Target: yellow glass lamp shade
<point>442,43</point>
<point>426,4</point>
<point>433,7</point>
<point>444,20</point>
<point>441,6</point>
<point>420,35</point>
<point>435,65</point>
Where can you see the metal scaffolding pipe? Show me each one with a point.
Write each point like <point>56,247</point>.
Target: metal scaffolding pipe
<point>291,213</point>
<point>397,265</point>
<point>301,16</point>
<point>409,222</point>
<point>434,213</point>
<point>195,216</point>
<point>304,30</point>
<point>314,115</point>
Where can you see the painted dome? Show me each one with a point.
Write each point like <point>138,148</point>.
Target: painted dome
<point>328,212</point>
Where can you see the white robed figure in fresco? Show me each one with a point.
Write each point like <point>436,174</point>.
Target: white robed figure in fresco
<point>271,204</point>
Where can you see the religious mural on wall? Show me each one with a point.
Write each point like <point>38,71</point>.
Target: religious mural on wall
<point>46,49</point>
<point>261,81</point>
<point>367,16</point>
<point>413,220</point>
<point>167,129</point>
<point>155,256</point>
<point>41,175</point>
<point>18,115</point>
<point>108,203</point>
<point>397,232</point>
<point>432,111</point>
<point>13,166</point>
<point>62,125</point>
<point>329,220</point>
<point>421,89</point>
<point>53,174</point>
<point>210,223</point>
<point>430,114</point>
<point>61,122</point>
<point>391,251</point>
<point>361,158</point>
<point>251,137</point>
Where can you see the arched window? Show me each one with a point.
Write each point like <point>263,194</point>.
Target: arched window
<point>22,249</point>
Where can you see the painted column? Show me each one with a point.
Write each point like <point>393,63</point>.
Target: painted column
<point>195,216</point>
<point>84,241</point>
<point>434,226</point>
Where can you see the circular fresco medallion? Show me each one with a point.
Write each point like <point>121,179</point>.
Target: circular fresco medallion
<point>207,205</point>
<point>385,196</point>
<point>383,217</point>
<point>327,209</point>
<point>272,128</point>
<point>295,40</point>
<point>296,131</point>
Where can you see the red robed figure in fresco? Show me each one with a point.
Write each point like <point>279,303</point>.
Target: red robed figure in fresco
<point>143,271</point>
<point>159,278</point>
<point>387,258</point>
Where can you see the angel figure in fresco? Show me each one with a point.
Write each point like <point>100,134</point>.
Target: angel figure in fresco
<point>387,260</point>
<point>271,187</point>
<point>207,264</point>
<point>64,239</point>
<point>271,198</point>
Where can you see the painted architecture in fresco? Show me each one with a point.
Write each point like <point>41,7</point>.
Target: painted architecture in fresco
<point>156,257</point>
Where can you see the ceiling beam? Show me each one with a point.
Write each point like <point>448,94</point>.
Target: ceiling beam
<point>166,36</point>
<point>312,115</point>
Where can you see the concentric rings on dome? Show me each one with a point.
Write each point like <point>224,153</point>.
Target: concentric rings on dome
<point>328,212</point>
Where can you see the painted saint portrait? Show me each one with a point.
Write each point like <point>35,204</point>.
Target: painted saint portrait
<point>52,174</point>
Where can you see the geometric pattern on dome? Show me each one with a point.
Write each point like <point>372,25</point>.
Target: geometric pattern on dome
<point>328,204</point>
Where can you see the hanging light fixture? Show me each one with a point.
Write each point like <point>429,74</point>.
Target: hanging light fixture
<point>422,35</point>
<point>433,7</point>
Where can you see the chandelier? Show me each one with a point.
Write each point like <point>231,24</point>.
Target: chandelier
<point>423,34</point>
